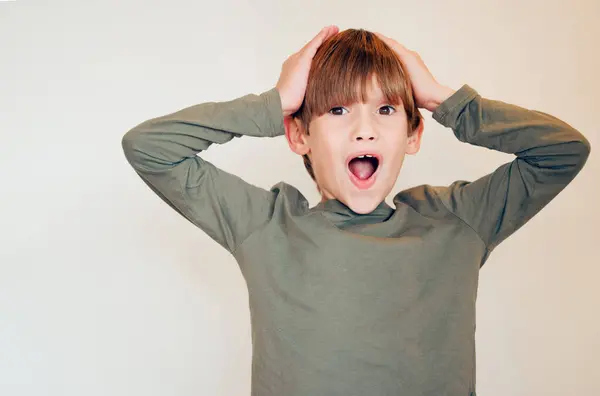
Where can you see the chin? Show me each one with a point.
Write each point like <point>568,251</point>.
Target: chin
<point>366,201</point>
<point>364,205</point>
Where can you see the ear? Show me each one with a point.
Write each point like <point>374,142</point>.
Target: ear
<point>414,142</point>
<point>295,135</point>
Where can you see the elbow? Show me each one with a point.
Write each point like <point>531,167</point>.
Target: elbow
<point>578,146</point>
<point>579,153</point>
<point>583,149</point>
<point>129,144</point>
<point>588,146</point>
<point>133,138</point>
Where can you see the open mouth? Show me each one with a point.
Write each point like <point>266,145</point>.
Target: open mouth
<point>363,169</point>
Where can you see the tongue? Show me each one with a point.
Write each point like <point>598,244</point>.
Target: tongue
<point>362,168</point>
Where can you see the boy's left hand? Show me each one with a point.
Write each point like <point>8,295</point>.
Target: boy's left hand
<point>427,91</point>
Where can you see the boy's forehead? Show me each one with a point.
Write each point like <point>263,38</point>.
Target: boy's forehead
<point>373,93</point>
<point>373,89</point>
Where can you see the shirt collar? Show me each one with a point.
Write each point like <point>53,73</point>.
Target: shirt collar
<point>337,211</point>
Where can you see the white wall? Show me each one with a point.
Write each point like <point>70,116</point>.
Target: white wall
<point>105,290</point>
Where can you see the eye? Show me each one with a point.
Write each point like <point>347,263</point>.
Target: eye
<point>389,107</point>
<point>334,108</point>
<point>342,108</point>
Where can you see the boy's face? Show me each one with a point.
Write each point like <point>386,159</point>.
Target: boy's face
<point>343,133</point>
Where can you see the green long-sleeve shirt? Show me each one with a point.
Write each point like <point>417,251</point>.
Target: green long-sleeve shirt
<point>347,304</point>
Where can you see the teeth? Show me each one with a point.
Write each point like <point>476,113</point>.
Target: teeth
<point>366,155</point>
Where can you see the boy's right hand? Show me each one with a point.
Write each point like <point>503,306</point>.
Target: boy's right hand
<point>294,72</point>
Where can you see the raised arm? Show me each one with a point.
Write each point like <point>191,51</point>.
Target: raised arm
<point>163,153</point>
<point>549,154</point>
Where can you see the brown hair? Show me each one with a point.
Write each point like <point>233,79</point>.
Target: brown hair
<point>344,60</point>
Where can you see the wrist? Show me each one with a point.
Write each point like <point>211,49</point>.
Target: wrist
<point>440,95</point>
<point>284,107</point>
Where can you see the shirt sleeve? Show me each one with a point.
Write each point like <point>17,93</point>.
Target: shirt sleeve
<point>549,154</point>
<point>163,152</point>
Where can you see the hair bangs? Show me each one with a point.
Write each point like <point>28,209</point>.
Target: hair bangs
<point>342,72</point>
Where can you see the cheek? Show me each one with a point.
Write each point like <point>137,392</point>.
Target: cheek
<point>330,159</point>
<point>397,150</point>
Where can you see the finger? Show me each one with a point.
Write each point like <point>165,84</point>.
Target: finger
<point>314,44</point>
<point>392,43</point>
<point>382,37</point>
<point>386,40</point>
<point>308,44</point>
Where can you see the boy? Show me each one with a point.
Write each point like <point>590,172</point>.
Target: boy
<point>352,296</point>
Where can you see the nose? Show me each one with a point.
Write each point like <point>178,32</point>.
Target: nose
<point>366,136</point>
<point>364,131</point>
